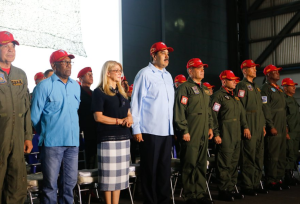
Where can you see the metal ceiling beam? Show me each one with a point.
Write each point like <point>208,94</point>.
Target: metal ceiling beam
<point>256,4</point>
<point>272,46</point>
<point>274,11</point>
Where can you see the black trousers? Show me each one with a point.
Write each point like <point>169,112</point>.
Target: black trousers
<point>156,168</point>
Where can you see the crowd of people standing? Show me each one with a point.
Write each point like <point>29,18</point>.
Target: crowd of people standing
<point>254,128</point>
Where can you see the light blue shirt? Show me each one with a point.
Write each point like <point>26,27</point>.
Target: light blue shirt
<point>152,102</point>
<point>54,112</point>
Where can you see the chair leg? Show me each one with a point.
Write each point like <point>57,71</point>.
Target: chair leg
<point>130,195</point>
<point>261,185</point>
<point>172,190</point>
<point>180,192</point>
<point>30,196</point>
<point>79,193</point>
<point>208,190</point>
<point>237,190</point>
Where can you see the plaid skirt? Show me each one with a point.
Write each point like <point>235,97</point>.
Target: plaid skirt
<point>113,165</point>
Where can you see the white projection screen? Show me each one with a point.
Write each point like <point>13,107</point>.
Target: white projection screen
<point>89,29</point>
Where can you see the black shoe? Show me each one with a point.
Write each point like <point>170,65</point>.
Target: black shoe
<point>283,185</point>
<point>274,187</point>
<point>249,192</point>
<point>261,191</point>
<point>205,200</point>
<point>237,195</point>
<point>225,196</point>
<point>191,201</point>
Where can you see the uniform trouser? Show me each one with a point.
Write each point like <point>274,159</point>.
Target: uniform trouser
<point>193,159</point>
<point>227,161</point>
<point>275,157</point>
<point>13,178</point>
<point>292,149</point>
<point>156,168</point>
<point>252,154</point>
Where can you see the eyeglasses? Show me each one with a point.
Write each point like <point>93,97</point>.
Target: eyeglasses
<point>116,71</point>
<point>66,62</point>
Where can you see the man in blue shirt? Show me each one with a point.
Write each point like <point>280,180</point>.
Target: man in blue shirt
<point>54,107</point>
<point>152,111</point>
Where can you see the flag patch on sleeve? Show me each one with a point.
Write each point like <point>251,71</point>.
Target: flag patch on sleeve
<point>264,99</point>
<point>216,107</point>
<point>241,93</point>
<point>184,100</point>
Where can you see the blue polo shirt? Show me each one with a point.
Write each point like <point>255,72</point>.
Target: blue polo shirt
<point>54,112</point>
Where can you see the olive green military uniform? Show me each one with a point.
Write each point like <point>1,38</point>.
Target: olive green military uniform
<point>274,107</point>
<point>228,118</point>
<point>191,115</point>
<point>252,151</point>
<point>293,122</point>
<point>15,126</point>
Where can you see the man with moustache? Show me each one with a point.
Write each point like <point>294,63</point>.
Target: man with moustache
<point>293,125</point>
<point>274,107</point>
<point>152,112</point>
<point>87,123</point>
<point>55,103</point>
<point>252,147</point>
<point>15,124</point>
<point>229,120</point>
<point>192,118</point>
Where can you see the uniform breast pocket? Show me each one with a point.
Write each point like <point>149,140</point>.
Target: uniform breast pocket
<point>153,91</point>
<point>54,104</point>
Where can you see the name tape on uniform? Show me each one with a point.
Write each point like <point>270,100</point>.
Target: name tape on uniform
<point>17,82</point>
<point>264,99</point>
<point>241,93</point>
<point>184,100</point>
<point>216,107</point>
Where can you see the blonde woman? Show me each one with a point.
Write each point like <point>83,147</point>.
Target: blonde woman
<point>112,114</point>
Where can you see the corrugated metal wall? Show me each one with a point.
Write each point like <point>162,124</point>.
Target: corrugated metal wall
<point>287,53</point>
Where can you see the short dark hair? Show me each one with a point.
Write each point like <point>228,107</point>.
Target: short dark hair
<point>151,58</point>
<point>47,72</point>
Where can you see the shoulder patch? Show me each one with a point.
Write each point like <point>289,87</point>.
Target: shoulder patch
<point>2,78</point>
<point>264,99</point>
<point>250,88</point>
<point>237,98</point>
<point>258,89</point>
<point>216,107</point>
<point>241,93</point>
<point>17,82</point>
<point>195,89</point>
<point>184,100</point>
<point>207,92</point>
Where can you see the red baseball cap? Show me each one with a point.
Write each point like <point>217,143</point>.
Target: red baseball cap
<point>180,78</point>
<point>195,62</point>
<point>82,72</point>
<point>271,68</point>
<point>123,78</point>
<point>288,82</point>
<point>248,63</point>
<point>59,56</point>
<point>228,74</point>
<point>38,76</point>
<point>160,46</point>
<point>130,88</point>
<point>7,37</point>
<point>208,85</point>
